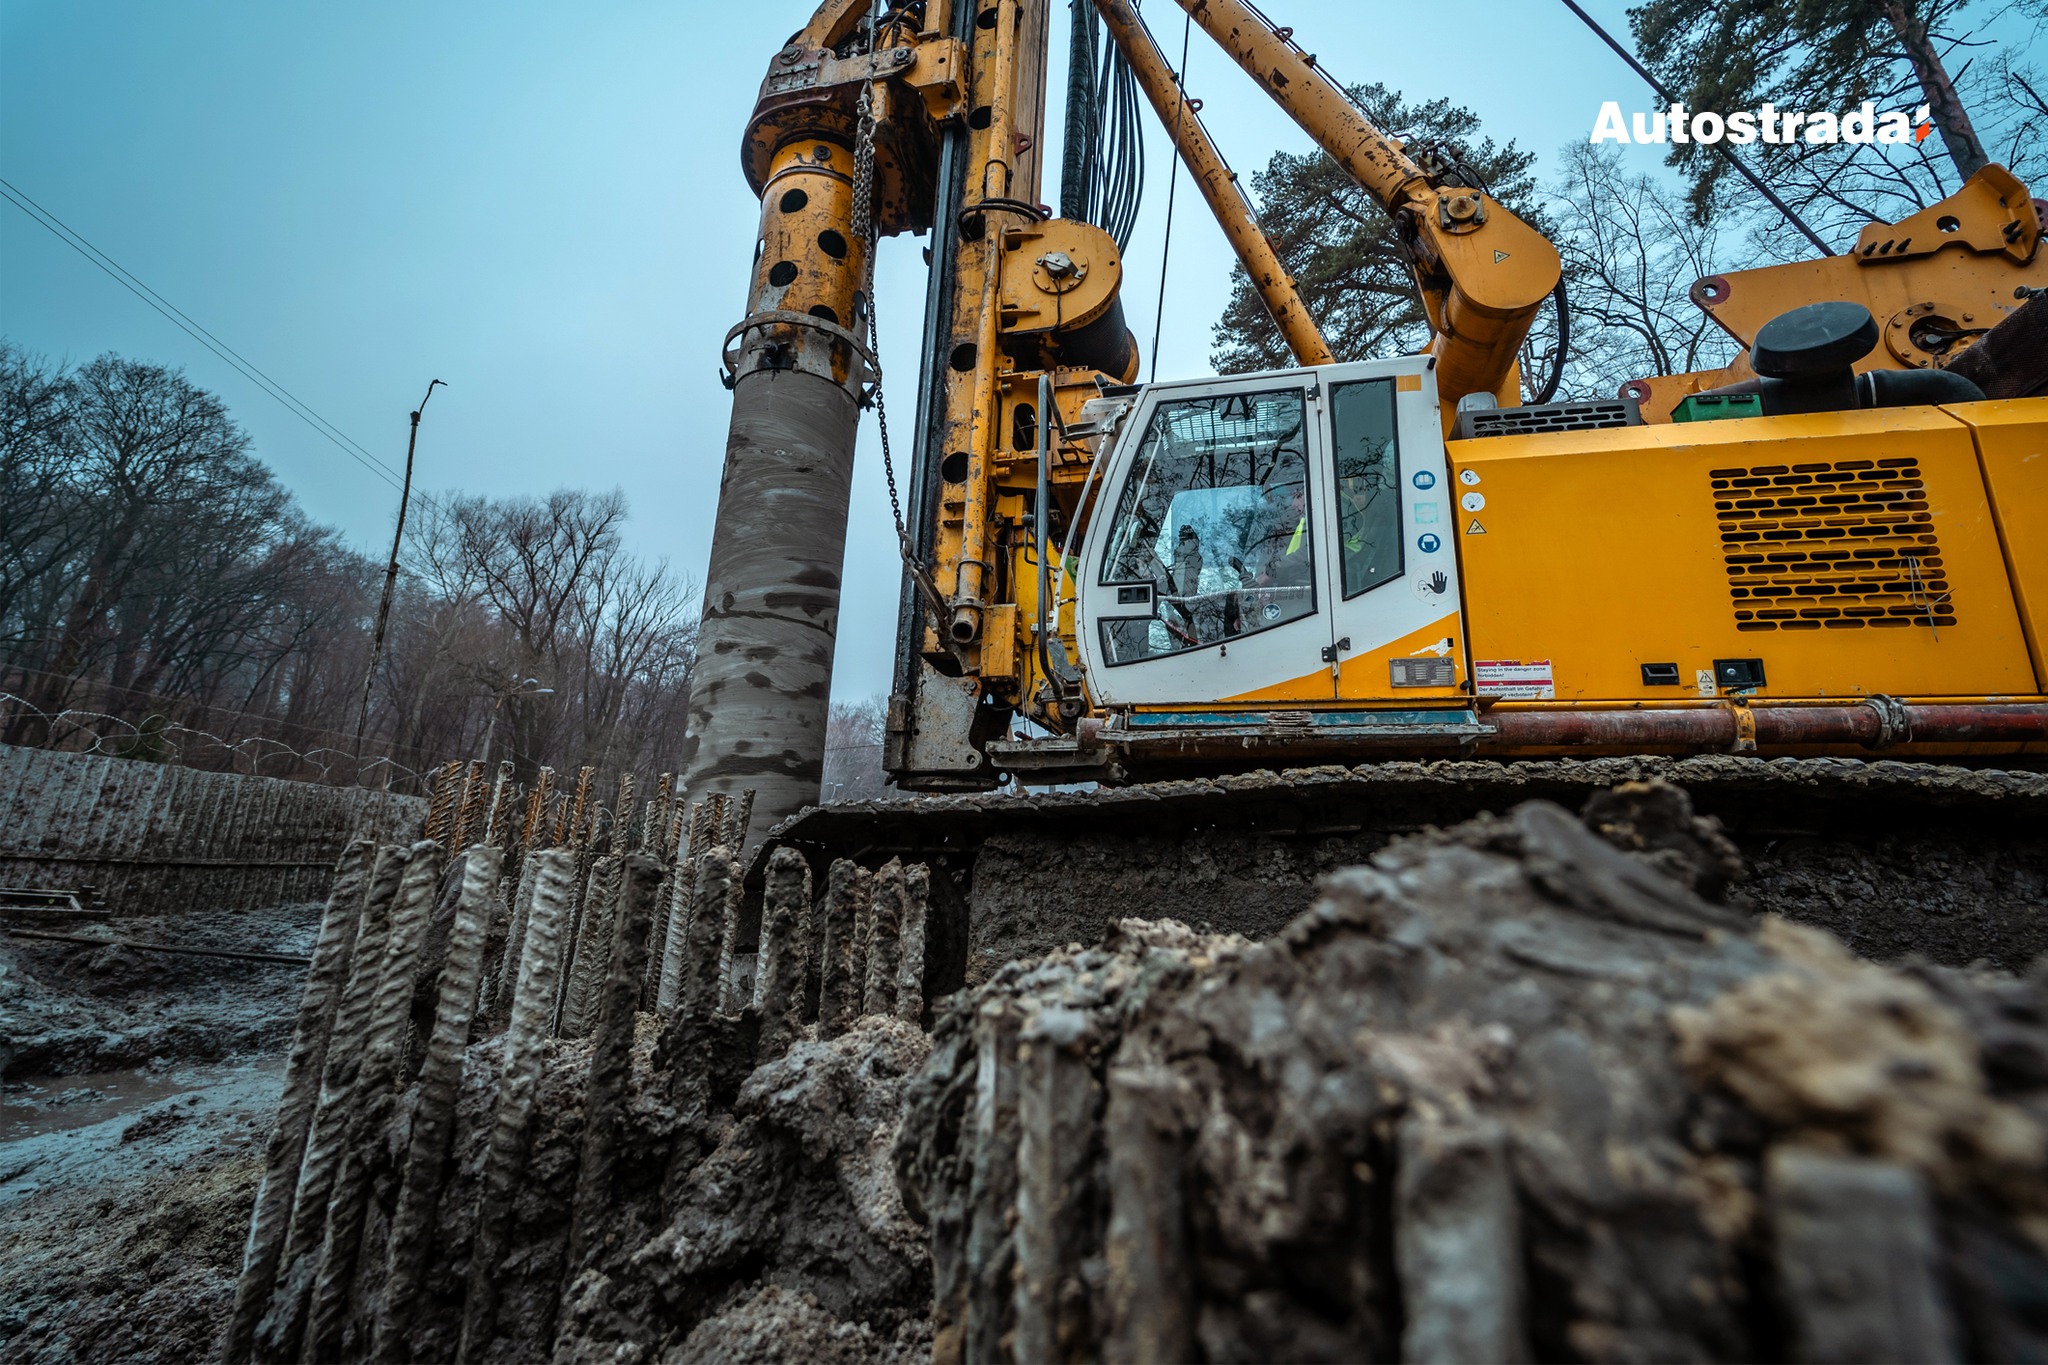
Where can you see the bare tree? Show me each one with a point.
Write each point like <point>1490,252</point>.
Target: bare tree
<point>1631,251</point>
<point>543,589</point>
<point>853,752</point>
<point>43,527</point>
<point>154,574</point>
<point>164,505</point>
<point>1829,56</point>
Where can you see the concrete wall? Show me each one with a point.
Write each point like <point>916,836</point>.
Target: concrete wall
<point>156,839</point>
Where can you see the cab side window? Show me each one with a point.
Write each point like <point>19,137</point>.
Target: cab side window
<point>1368,464</point>
<point>1215,516</point>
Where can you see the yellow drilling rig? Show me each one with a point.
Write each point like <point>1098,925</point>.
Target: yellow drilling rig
<point>1839,545</point>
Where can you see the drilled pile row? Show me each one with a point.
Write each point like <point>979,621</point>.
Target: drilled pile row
<point>1507,1093</point>
<point>447,1006</point>
<point>1527,1088</point>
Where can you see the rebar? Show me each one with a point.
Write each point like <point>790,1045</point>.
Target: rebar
<point>518,1081</point>
<point>441,807</point>
<point>611,1056</point>
<point>679,809</point>
<point>326,1141</point>
<point>506,971</point>
<point>580,811</point>
<point>917,894</point>
<point>591,951</point>
<point>740,815</point>
<point>472,809</point>
<point>659,835</point>
<point>271,1218</point>
<point>682,891</point>
<point>1057,1100</point>
<point>371,1103</point>
<point>536,808</point>
<point>839,974</point>
<point>1150,1298</point>
<point>785,910</point>
<point>622,816</point>
<point>885,940</point>
<point>707,927</point>
<point>992,1189</point>
<point>433,1119</point>
<point>863,930</point>
<point>731,996</point>
<point>498,829</point>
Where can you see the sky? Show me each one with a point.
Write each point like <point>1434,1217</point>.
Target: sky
<point>542,206</point>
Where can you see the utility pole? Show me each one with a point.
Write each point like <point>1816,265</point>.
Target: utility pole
<point>390,573</point>
<point>528,688</point>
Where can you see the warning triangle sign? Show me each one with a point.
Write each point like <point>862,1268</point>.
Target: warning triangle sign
<point>1475,529</point>
<point>1499,256</point>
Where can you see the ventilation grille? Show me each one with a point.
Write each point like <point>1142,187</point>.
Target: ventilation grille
<point>1613,412</point>
<point>1842,546</point>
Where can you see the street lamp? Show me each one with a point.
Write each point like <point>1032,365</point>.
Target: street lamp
<point>525,687</point>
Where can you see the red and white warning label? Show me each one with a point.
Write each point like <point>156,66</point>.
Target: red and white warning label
<point>1514,679</point>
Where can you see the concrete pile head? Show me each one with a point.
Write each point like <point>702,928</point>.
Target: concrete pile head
<point>1507,1090</point>
<point>1513,1088</point>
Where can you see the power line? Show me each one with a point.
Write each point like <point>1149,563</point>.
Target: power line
<point>66,234</point>
<point>1726,153</point>
<point>1180,89</point>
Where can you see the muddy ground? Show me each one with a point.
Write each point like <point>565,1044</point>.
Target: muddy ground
<point>136,1090</point>
<point>139,1089</point>
<point>69,1008</point>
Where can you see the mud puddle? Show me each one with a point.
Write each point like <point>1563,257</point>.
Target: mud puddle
<point>92,1128</point>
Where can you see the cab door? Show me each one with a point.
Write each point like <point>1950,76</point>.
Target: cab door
<point>1204,579</point>
<point>1396,626</point>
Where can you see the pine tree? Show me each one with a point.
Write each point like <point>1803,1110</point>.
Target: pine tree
<point>1827,55</point>
<point>1339,244</point>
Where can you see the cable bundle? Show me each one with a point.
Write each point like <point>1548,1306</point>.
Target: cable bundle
<point>1102,175</point>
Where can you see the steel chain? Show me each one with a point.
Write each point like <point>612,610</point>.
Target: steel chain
<point>864,220</point>
<point>865,225</point>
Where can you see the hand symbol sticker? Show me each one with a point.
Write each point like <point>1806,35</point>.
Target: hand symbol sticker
<point>1430,586</point>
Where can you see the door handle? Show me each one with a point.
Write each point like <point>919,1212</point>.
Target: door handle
<point>1330,651</point>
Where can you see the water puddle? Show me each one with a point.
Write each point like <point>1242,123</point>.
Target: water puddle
<point>65,1129</point>
<point>55,1104</point>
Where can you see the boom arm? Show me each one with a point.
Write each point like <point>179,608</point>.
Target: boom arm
<point>1482,272</point>
<point>1181,117</point>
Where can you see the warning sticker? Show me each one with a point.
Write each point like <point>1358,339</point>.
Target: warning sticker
<point>1514,680</point>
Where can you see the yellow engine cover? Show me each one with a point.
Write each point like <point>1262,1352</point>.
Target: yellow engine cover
<point>2012,445</point>
<point>1851,553</point>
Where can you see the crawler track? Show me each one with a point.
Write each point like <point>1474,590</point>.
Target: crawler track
<point>1895,857</point>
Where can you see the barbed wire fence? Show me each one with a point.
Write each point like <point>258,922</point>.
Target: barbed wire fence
<point>160,738</point>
